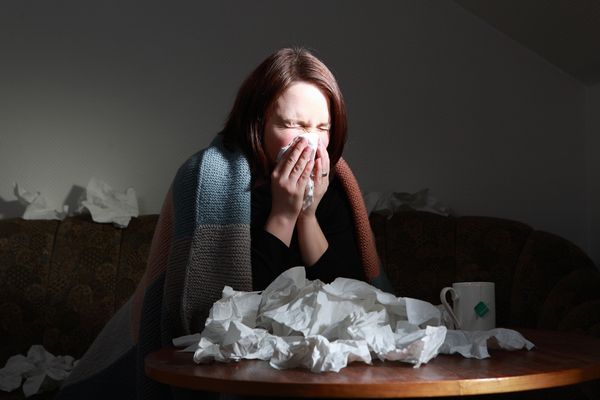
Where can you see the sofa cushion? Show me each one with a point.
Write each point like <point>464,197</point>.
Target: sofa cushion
<point>417,250</point>
<point>81,284</point>
<point>135,248</point>
<point>573,304</point>
<point>487,250</point>
<point>25,254</point>
<point>548,283</point>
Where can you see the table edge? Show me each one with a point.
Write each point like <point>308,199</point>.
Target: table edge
<point>447,387</point>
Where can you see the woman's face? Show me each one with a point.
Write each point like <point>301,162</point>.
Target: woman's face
<point>301,108</point>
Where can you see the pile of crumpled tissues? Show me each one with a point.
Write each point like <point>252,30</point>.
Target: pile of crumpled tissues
<point>296,322</point>
<point>40,370</point>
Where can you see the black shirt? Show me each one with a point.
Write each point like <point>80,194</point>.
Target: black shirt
<point>270,256</point>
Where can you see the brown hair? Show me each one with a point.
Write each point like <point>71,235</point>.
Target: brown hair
<point>245,125</point>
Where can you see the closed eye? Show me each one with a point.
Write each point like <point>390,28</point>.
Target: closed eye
<point>290,126</point>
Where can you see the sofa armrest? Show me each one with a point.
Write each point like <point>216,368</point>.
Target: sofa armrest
<point>556,286</point>
<point>573,304</point>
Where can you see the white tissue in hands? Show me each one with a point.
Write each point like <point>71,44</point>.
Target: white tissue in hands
<point>313,143</point>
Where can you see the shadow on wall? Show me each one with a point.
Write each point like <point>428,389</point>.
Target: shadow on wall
<point>11,209</point>
<point>16,208</point>
<point>76,195</point>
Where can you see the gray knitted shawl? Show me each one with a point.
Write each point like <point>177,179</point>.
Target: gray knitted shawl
<point>201,243</point>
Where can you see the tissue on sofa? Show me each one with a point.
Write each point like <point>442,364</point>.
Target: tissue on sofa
<point>107,205</point>
<point>39,371</point>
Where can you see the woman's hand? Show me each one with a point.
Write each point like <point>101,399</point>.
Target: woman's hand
<point>288,184</point>
<point>311,239</point>
<point>320,174</point>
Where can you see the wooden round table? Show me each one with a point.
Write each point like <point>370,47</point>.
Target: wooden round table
<point>559,359</point>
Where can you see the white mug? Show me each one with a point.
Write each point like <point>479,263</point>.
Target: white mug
<point>474,305</point>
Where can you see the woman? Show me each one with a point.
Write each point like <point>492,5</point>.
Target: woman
<point>234,216</point>
<point>289,94</point>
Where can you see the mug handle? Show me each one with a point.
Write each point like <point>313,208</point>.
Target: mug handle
<point>447,306</point>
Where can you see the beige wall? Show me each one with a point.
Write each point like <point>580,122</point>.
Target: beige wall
<point>436,98</point>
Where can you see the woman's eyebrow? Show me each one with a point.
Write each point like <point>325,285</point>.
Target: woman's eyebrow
<point>292,120</point>
<point>283,120</point>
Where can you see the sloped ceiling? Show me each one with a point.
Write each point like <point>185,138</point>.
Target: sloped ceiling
<point>564,32</point>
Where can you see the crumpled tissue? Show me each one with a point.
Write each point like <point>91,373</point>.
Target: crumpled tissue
<point>474,344</point>
<point>40,370</point>
<point>323,327</point>
<point>296,322</point>
<point>108,205</point>
<point>313,143</point>
<point>389,203</point>
<point>35,205</point>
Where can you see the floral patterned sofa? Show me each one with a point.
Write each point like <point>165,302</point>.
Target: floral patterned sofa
<point>60,281</point>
